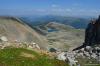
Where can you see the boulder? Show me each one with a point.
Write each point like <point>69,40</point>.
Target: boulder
<point>97,49</point>
<point>37,46</point>
<point>82,50</point>
<point>80,55</point>
<point>88,48</point>
<point>94,55</point>
<point>4,38</point>
<point>62,56</point>
<point>86,54</point>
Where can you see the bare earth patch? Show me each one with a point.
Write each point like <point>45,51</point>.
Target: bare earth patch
<point>23,54</point>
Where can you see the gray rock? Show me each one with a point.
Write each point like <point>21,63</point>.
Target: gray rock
<point>88,48</point>
<point>62,56</point>
<point>80,55</point>
<point>82,50</point>
<point>4,38</point>
<point>86,54</point>
<point>94,55</point>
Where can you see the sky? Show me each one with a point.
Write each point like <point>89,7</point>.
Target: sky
<point>52,7</point>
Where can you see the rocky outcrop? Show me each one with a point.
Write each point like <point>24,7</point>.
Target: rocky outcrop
<point>68,57</point>
<point>88,53</point>
<point>92,34</point>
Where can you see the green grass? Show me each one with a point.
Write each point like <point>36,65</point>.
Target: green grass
<point>12,57</point>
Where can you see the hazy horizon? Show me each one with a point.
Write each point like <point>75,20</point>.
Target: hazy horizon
<point>50,7</point>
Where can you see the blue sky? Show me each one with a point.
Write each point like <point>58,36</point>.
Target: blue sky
<point>55,7</point>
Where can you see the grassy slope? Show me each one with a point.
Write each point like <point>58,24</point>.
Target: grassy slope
<point>14,57</point>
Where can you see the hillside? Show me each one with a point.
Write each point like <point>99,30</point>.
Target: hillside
<point>24,57</point>
<point>14,30</point>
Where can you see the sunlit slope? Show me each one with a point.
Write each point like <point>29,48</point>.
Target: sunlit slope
<point>15,30</point>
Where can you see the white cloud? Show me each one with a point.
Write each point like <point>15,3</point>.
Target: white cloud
<point>54,5</point>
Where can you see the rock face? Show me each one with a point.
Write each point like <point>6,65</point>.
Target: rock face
<point>14,30</point>
<point>92,34</point>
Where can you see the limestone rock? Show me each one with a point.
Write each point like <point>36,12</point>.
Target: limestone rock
<point>4,38</point>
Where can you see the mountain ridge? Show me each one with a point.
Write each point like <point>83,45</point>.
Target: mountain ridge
<point>75,22</point>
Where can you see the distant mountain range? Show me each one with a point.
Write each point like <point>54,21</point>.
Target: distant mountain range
<point>76,22</point>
